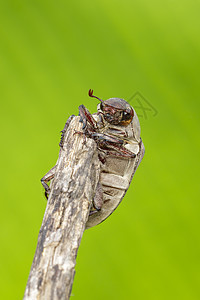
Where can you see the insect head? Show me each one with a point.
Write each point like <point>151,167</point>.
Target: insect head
<point>116,111</point>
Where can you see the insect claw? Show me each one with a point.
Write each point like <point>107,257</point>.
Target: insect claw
<point>81,118</point>
<point>81,133</point>
<point>84,123</point>
<point>98,208</point>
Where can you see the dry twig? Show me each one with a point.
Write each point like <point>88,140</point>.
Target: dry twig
<point>72,191</point>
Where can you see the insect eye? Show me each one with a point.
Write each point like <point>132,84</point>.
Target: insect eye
<point>126,115</point>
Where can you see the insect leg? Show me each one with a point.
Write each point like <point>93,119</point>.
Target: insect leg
<point>119,151</point>
<point>65,129</point>
<point>101,157</point>
<point>93,211</point>
<point>85,116</point>
<point>103,138</point>
<point>46,178</point>
<point>98,198</point>
<point>121,154</point>
<point>109,143</point>
<point>117,132</point>
<point>81,133</point>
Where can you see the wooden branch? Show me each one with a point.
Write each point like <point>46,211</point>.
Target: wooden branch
<point>72,191</point>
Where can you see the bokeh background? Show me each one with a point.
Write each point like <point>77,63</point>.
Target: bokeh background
<point>51,53</point>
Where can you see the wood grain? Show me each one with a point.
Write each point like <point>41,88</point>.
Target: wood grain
<point>72,191</point>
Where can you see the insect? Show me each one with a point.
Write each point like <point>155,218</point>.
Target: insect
<point>116,130</point>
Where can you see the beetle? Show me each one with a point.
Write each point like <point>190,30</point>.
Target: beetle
<point>116,130</point>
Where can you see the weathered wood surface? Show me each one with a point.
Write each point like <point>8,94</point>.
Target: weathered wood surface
<point>72,190</point>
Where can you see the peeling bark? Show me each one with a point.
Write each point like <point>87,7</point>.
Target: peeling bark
<point>72,191</point>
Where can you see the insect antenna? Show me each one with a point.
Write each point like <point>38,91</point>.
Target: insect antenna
<point>90,93</point>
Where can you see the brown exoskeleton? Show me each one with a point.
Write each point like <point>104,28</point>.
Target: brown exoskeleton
<point>116,130</point>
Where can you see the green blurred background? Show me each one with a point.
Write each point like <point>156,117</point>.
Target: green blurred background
<point>51,53</point>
